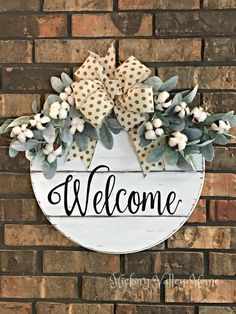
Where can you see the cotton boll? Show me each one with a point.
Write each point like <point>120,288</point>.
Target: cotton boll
<point>150,135</point>
<point>148,126</point>
<point>21,137</point>
<point>71,100</point>
<point>159,131</point>
<point>173,141</point>
<point>221,126</point>
<point>181,145</point>
<point>68,90</point>
<point>157,123</point>
<point>65,105</point>
<point>199,115</point>
<point>178,141</point>
<point>162,97</point>
<point>54,112</point>
<point>63,114</point>
<point>51,158</point>
<point>63,96</point>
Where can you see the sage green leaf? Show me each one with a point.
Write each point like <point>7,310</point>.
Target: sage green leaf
<point>49,134</point>
<point>156,154</point>
<point>155,82</point>
<point>90,131</point>
<point>81,140</point>
<point>66,136</point>
<point>20,121</point>
<point>49,169</point>
<point>219,116</point>
<point>185,163</point>
<point>21,147</point>
<point>50,100</point>
<point>193,142</point>
<point>57,84</point>
<point>29,155</point>
<point>143,141</point>
<point>12,152</point>
<point>177,99</point>
<point>192,149</point>
<point>169,84</point>
<point>35,107</point>
<point>218,138</point>
<point>38,135</point>
<point>163,119</point>
<point>106,136</point>
<point>232,121</point>
<point>171,156</point>
<point>205,143</point>
<point>38,158</point>
<point>141,128</point>
<point>74,112</point>
<point>113,123</point>
<point>190,97</point>
<point>5,126</point>
<point>207,151</point>
<point>193,134</point>
<point>176,123</point>
<point>66,80</point>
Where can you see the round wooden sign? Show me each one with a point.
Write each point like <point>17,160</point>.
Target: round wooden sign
<point>112,207</point>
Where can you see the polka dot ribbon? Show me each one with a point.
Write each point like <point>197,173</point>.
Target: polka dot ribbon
<point>100,87</point>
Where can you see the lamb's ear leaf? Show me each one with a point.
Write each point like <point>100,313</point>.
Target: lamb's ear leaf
<point>184,163</point>
<point>190,97</point>
<point>207,151</point>
<point>29,155</point>
<point>50,100</point>
<point>5,126</point>
<point>156,154</point>
<point>143,141</point>
<point>66,136</point>
<point>49,169</point>
<point>193,134</point>
<point>81,140</point>
<point>205,143</point>
<point>155,82</point>
<point>49,134</point>
<point>106,136</point>
<point>21,147</point>
<point>12,152</point>
<point>169,84</point>
<point>176,123</point>
<point>20,121</point>
<point>38,158</point>
<point>57,84</point>
<point>218,138</point>
<point>35,106</point>
<point>90,131</point>
<point>232,120</point>
<point>67,81</point>
<point>171,156</point>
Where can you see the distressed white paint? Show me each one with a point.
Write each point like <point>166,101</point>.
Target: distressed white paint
<point>121,233</point>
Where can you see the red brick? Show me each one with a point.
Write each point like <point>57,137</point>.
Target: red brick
<point>223,210</point>
<point>9,183</point>
<point>62,308</point>
<point>16,51</point>
<point>38,287</point>
<point>158,4</point>
<point>90,262</point>
<point>36,235</point>
<point>19,5</point>
<point>75,5</point>
<point>166,50</point>
<point>207,237</point>
<point>224,159</point>
<point>29,78</point>
<point>219,4</point>
<point>153,309</point>
<point>219,101</point>
<point>115,24</point>
<point>14,105</point>
<point>15,307</point>
<point>17,261</point>
<point>199,213</point>
<point>220,49</point>
<point>216,310</point>
<point>213,184</point>
<point>33,26</point>
<point>202,291</point>
<point>132,289</point>
<point>18,210</point>
<point>222,264</point>
<point>68,51</point>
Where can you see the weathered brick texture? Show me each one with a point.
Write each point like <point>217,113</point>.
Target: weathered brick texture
<point>42,272</point>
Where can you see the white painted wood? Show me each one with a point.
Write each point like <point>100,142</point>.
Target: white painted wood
<point>121,233</point>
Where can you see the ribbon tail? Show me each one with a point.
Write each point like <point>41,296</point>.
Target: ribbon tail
<point>142,153</point>
<point>85,156</point>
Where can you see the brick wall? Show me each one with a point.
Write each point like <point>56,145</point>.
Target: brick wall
<point>193,38</point>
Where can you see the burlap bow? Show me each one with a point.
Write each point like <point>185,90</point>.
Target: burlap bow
<point>100,87</point>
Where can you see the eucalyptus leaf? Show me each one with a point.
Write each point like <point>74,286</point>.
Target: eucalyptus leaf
<point>190,97</point>
<point>156,154</point>
<point>171,156</point>
<point>106,136</point>
<point>143,141</point>
<point>20,121</point>
<point>169,84</point>
<point>207,151</point>
<point>192,149</point>
<point>218,138</point>
<point>155,82</point>
<point>49,134</point>
<point>49,169</point>
<point>57,84</point>
<point>12,152</point>
<point>90,131</point>
<point>67,81</point>
<point>184,163</point>
<point>5,126</point>
<point>81,140</point>
<point>177,99</point>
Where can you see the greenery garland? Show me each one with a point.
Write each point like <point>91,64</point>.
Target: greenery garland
<point>181,131</point>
